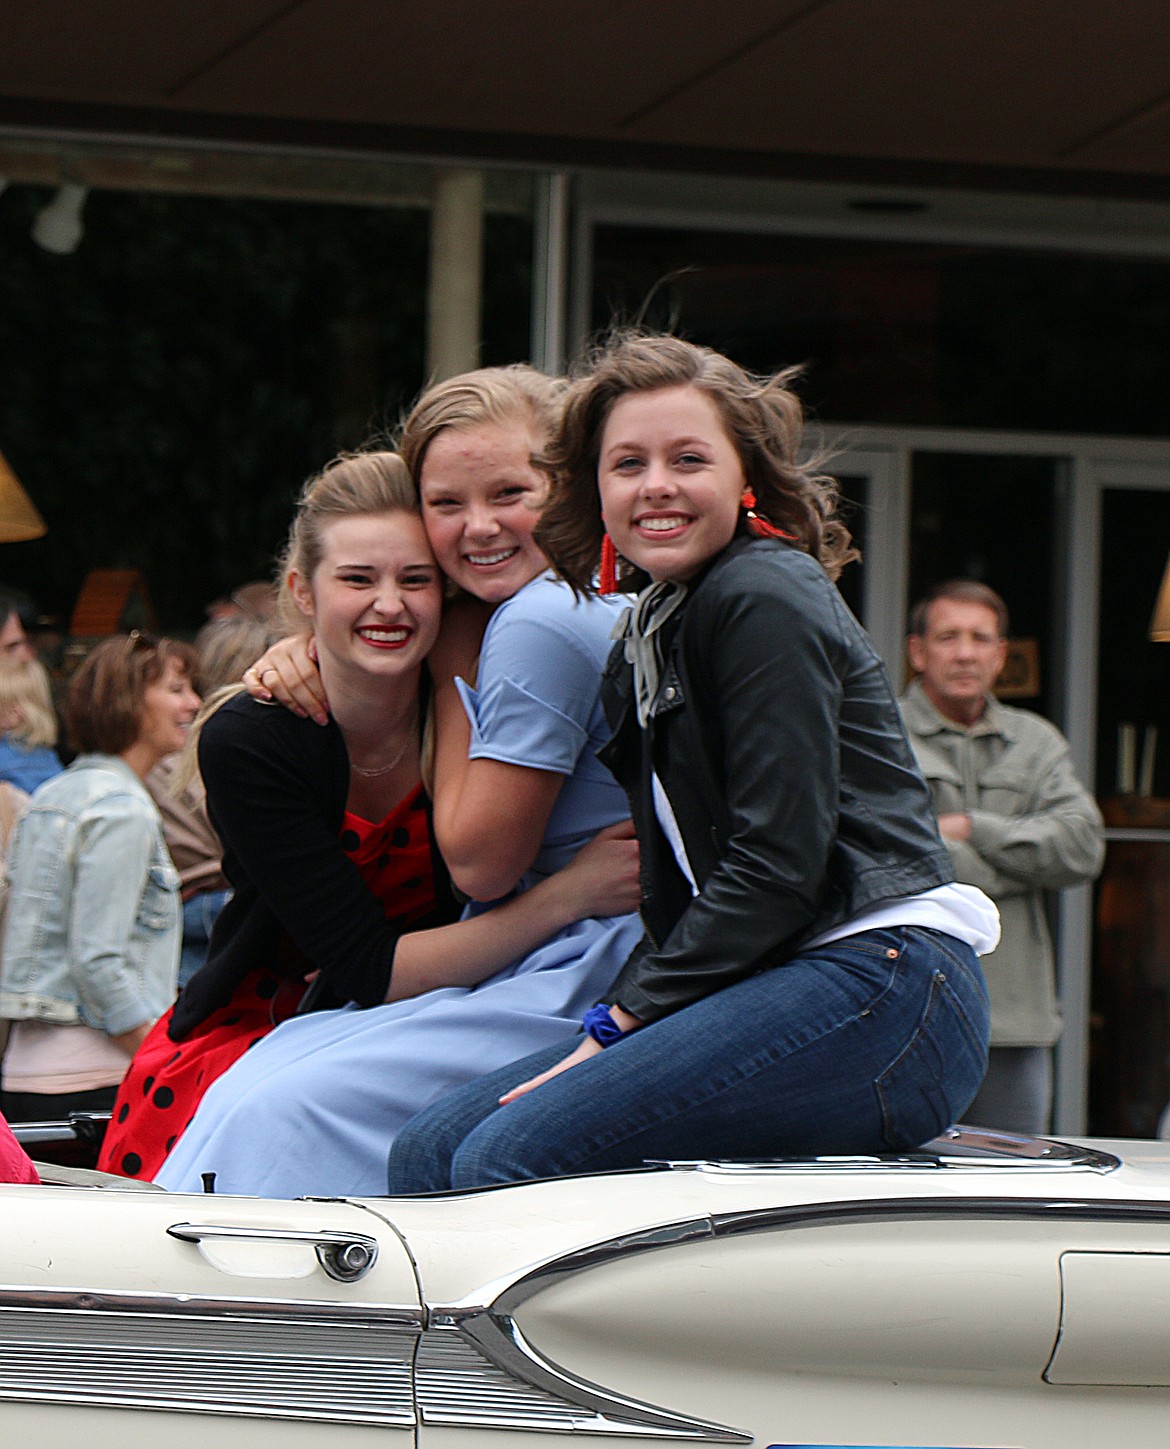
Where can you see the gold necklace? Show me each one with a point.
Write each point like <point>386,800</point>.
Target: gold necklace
<point>372,774</point>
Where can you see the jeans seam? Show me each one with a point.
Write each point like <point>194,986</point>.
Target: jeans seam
<point>973,978</point>
<point>881,1080</point>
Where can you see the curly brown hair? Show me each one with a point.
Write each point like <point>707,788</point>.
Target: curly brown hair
<point>764,421</point>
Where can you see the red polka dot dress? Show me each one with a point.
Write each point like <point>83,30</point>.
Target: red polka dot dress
<point>167,1079</point>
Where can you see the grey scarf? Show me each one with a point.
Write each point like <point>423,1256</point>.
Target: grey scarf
<point>640,627</point>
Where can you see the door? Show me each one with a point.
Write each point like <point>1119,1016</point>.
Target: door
<point>134,1318</point>
<point>1129,1036</point>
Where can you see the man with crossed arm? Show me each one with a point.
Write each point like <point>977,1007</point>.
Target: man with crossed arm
<point>1017,822</point>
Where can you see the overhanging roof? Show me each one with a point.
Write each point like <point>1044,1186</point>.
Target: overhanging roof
<point>1031,96</point>
<point>1056,95</point>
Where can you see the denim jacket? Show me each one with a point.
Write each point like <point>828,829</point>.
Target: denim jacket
<point>93,927</point>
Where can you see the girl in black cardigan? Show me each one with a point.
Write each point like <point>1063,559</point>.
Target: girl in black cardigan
<point>326,831</point>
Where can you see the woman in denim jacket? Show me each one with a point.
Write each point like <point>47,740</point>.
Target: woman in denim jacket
<point>91,941</point>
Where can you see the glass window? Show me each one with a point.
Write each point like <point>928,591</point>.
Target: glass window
<point>167,387</point>
<point>909,333</point>
<point>992,517</point>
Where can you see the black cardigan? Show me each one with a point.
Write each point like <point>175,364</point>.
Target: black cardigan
<point>276,793</point>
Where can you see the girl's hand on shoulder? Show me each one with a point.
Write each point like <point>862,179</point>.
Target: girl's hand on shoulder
<point>604,875</point>
<point>287,673</point>
<point>456,651</point>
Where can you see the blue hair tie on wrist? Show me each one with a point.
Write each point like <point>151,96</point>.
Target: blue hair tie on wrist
<point>601,1026</point>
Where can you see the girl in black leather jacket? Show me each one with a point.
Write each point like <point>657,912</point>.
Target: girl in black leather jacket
<point>808,979</point>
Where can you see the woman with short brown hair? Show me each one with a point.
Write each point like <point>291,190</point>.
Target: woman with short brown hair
<point>92,936</point>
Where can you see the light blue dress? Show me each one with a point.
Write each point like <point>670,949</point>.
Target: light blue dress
<point>313,1108</point>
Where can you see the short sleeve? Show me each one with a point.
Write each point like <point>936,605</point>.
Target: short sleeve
<point>539,676</point>
<point>517,728</point>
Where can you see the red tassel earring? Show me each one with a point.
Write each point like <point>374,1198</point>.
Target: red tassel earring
<point>607,574</point>
<point>758,525</point>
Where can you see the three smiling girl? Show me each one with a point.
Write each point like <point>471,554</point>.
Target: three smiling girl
<point>805,978</point>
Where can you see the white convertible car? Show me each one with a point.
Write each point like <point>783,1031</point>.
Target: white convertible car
<point>989,1291</point>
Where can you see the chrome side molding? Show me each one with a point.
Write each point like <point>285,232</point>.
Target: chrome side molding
<point>269,1358</point>
<point>483,1373</point>
<point>475,1363</point>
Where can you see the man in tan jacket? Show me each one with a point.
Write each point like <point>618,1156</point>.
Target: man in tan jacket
<point>1017,822</point>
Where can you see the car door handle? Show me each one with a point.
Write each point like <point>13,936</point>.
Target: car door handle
<point>344,1256</point>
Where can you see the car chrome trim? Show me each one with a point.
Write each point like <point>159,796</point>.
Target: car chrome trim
<point>916,1209</point>
<point>1050,1151</point>
<point>505,1293</point>
<point>271,1358</point>
<point>195,1305</point>
<point>483,1373</point>
<point>475,1365</point>
<point>345,1257</point>
<point>503,1296</point>
<point>965,1148</point>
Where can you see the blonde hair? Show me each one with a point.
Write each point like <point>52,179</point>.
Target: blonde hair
<point>352,485</point>
<point>227,646</point>
<point>503,395</point>
<point>25,690</point>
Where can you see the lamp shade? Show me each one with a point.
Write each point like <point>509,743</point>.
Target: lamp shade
<point>18,518</point>
<point>1160,623</point>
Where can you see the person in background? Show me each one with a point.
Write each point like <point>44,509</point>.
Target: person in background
<point>257,600</point>
<point>225,646</point>
<point>19,617</point>
<point>1017,823</point>
<point>28,725</point>
<point>13,804</point>
<point>91,941</point>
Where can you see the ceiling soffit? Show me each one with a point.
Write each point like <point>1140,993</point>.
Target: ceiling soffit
<point>1073,93</point>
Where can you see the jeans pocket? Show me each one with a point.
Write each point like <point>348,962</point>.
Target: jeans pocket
<point>935,1076</point>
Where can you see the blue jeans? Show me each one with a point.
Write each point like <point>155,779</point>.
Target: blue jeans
<point>199,915</point>
<point>870,1044</point>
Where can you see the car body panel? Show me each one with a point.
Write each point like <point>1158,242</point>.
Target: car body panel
<point>1114,1327</point>
<point>940,1299</point>
<point>103,1307</point>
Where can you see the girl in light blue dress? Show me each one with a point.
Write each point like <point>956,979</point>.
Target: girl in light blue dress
<point>313,1108</point>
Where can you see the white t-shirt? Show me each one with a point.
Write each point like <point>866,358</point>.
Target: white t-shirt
<point>961,911</point>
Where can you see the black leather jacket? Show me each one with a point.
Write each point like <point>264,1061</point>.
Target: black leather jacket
<point>776,737</point>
